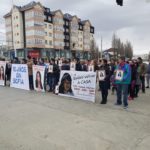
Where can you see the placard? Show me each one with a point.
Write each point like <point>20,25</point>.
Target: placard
<point>60,63</point>
<point>119,75</point>
<point>39,78</point>
<point>19,76</point>
<point>72,66</point>
<point>50,69</point>
<point>2,72</point>
<point>91,68</point>
<point>101,75</point>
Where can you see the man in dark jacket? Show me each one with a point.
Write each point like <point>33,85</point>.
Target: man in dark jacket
<point>104,84</point>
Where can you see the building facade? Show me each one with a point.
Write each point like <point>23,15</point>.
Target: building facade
<point>37,31</point>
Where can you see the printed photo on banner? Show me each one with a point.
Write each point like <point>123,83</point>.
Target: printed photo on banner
<point>39,78</point>
<point>101,75</point>
<point>19,76</point>
<point>66,85</point>
<point>50,68</point>
<point>91,68</point>
<point>119,75</point>
<point>2,72</point>
<point>78,84</point>
<point>72,66</point>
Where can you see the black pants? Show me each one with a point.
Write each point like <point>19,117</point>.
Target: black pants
<point>31,82</point>
<point>142,78</point>
<point>137,88</point>
<point>104,85</point>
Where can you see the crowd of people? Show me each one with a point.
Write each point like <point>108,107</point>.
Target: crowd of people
<point>125,78</point>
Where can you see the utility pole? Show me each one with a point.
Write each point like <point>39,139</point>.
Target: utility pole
<point>101,47</point>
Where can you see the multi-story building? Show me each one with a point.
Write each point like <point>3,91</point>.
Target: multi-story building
<point>37,31</point>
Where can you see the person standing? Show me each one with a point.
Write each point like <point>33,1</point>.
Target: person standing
<point>30,71</point>
<point>52,75</point>
<point>104,84</point>
<point>148,75</point>
<point>142,71</point>
<point>123,79</point>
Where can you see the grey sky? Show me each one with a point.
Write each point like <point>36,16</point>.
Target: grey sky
<point>130,22</point>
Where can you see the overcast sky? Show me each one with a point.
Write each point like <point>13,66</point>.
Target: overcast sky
<point>130,22</point>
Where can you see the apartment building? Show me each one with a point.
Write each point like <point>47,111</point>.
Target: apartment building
<point>37,31</point>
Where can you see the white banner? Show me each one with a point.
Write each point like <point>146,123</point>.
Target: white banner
<point>2,72</point>
<point>78,84</point>
<point>39,78</point>
<point>19,76</point>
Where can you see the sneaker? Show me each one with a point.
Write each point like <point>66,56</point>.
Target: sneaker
<point>147,87</point>
<point>125,107</point>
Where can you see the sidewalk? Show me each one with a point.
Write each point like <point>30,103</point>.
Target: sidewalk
<point>43,121</point>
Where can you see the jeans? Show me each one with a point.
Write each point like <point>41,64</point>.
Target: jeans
<point>142,78</point>
<point>31,82</point>
<point>104,85</point>
<point>148,79</point>
<point>52,83</point>
<point>122,90</point>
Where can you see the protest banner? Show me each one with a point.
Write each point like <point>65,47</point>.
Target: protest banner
<point>19,76</point>
<point>39,78</point>
<point>78,84</point>
<point>2,72</point>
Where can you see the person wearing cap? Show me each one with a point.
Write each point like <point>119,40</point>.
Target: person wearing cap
<point>123,69</point>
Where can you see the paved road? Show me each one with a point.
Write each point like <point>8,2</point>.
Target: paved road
<point>39,121</point>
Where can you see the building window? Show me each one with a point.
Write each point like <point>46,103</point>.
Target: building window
<point>67,44</point>
<point>17,34</point>
<point>50,26</point>
<point>45,25</point>
<point>16,17</point>
<point>50,43</point>
<point>67,23</point>
<point>45,41</point>
<point>45,17</point>
<point>49,18</point>
<point>67,30</point>
<point>45,33</point>
<point>17,25</point>
<point>67,37</point>
<point>50,34</point>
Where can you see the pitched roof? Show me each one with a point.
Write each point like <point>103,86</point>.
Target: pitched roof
<point>7,15</point>
<point>68,16</point>
<point>30,5</point>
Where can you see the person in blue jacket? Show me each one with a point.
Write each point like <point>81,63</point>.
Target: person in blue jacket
<point>123,83</point>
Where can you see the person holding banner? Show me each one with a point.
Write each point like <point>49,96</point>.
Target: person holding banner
<point>123,79</point>
<point>104,79</point>
<point>53,74</point>
<point>30,71</point>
